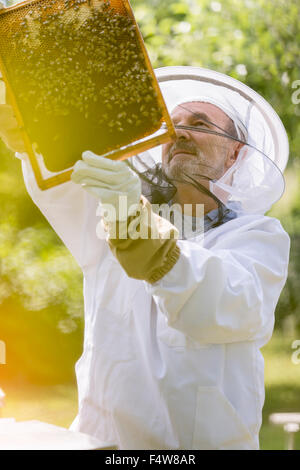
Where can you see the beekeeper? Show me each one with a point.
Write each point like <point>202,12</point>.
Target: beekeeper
<point>174,324</point>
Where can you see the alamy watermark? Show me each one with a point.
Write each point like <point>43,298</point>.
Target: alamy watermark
<point>136,222</point>
<point>2,352</point>
<point>296,94</point>
<point>296,353</point>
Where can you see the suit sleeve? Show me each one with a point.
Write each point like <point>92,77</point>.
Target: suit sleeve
<point>71,212</point>
<point>228,293</point>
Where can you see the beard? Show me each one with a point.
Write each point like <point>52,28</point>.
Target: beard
<point>195,164</point>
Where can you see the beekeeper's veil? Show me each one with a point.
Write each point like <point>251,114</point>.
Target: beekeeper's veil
<point>255,180</point>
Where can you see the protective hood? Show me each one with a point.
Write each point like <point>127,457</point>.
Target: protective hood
<point>255,181</point>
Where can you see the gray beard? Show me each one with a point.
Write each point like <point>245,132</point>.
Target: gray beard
<point>195,167</point>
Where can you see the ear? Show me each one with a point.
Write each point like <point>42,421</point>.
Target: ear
<point>233,154</point>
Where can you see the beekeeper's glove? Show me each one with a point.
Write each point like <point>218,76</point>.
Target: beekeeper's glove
<point>9,130</point>
<point>112,182</point>
<point>144,243</point>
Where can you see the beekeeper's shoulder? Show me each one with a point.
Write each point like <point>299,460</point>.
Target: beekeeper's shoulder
<point>251,227</point>
<point>262,223</point>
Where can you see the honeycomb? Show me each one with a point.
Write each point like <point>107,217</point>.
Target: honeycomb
<point>79,77</point>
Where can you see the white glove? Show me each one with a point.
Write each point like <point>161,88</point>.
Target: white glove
<point>110,181</point>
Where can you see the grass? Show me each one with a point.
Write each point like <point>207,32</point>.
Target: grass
<point>282,380</point>
<point>58,404</point>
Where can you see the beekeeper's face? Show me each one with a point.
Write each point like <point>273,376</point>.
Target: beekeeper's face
<point>199,153</point>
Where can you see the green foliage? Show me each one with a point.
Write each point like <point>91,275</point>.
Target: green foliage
<point>38,270</point>
<point>255,41</point>
<point>34,265</point>
<point>287,210</point>
<point>41,304</point>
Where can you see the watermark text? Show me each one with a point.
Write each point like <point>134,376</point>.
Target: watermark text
<point>296,94</point>
<point>296,354</point>
<point>138,222</point>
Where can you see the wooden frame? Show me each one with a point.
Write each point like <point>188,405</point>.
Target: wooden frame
<point>165,134</point>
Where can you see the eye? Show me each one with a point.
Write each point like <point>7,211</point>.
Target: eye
<point>201,123</point>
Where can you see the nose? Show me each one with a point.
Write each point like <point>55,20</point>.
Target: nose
<point>182,134</point>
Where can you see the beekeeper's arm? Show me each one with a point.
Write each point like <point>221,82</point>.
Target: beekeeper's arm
<point>72,214</point>
<point>144,243</point>
<point>70,210</point>
<point>225,294</point>
<point>229,293</point>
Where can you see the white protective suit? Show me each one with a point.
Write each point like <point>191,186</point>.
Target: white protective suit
<point>175,364</point>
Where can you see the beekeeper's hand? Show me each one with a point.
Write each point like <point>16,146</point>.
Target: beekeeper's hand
<point>143,243</point>
<point>9,130</point>
<point>112,182</point>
